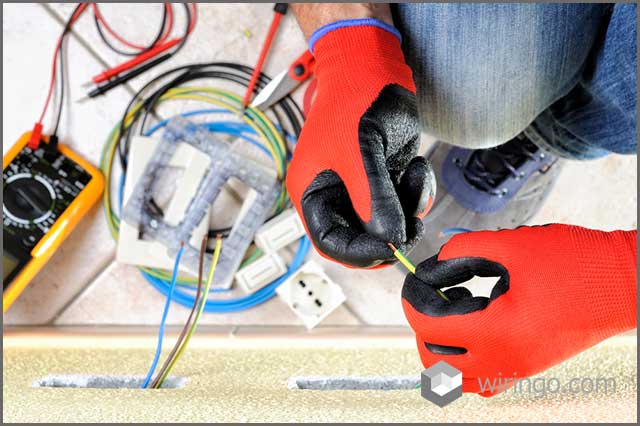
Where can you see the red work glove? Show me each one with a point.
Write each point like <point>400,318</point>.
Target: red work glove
<point>562,290</point>
<point>355,179</point>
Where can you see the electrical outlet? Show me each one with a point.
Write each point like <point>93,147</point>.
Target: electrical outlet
<point>311,294</point>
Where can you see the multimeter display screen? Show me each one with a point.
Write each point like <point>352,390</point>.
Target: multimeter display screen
<point>9,264</point>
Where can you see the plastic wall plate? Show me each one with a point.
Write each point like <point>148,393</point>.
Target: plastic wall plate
<point>133,250</point>
<point>224,164</point>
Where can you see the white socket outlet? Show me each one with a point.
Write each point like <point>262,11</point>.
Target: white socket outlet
<point>311,294</point>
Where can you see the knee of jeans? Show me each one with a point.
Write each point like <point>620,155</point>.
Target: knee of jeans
<point>475,123</point>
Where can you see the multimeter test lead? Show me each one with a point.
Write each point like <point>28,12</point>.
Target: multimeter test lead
<point>410,266</point>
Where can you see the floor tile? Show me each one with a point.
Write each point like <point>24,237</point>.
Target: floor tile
<point>599,194</point>
<point>121,296</point>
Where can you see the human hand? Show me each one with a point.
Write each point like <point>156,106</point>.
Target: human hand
<point>562,289</point>
<point>355,178</point>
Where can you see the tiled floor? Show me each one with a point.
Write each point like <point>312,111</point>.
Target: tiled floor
<point>83,285</point>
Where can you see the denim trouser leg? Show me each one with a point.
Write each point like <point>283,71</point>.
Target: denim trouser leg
<point>564,72</point>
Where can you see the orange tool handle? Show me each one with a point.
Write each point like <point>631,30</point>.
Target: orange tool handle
<point>302,68</point>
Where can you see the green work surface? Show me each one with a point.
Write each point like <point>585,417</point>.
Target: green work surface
<point>250,384</point>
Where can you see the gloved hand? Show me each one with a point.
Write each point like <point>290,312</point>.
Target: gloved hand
<point>562,289</point>
<point>354,179</point>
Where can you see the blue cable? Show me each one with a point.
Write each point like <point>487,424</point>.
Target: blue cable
<point>186,299</point>
<point>156,357</point>
<point>455,230</point>
<point>120,194</point>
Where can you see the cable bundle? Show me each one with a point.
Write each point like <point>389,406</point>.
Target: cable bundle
<point>192,322</point>
<point>255,127</point>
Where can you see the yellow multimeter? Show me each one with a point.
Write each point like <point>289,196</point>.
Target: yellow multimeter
<point>45,193</point>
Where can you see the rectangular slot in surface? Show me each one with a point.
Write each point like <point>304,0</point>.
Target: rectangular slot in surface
<point>102,382</point>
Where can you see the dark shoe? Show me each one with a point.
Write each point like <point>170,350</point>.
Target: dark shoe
<point>501,187</point>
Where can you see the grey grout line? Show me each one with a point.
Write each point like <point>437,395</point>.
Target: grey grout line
<point>101,270</point>
<point>56,16</point>
<point>357,316</point>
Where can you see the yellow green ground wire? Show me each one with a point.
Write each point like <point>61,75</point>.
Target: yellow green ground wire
<point>256,119</point>
<point>411,267</point>
<point>192,329</point>
<point>403,259</point>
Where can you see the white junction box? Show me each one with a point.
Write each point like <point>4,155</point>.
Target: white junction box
<point>311,294</point>
<point>261,272</point>
<point>280,231</point>
<point>193,163</point>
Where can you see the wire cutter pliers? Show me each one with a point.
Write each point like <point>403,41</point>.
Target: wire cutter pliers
<point>285,82</point>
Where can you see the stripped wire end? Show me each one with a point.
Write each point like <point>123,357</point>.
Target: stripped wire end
<point>411,267</point>
<point>83,99</point>
<point>402,258</point>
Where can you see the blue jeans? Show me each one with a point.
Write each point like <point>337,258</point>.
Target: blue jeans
<point>564,74</point>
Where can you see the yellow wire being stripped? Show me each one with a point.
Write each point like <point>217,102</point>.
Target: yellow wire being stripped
<point>402,258</point>
<point>205,294</point>
<point>411,267</point>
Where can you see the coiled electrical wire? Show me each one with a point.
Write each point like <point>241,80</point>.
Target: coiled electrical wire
<point>226,71</point>
<point>254,123</point>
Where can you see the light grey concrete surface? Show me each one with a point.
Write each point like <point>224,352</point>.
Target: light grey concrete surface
<point>83,285</point>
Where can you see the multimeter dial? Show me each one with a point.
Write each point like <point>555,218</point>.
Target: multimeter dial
<point>29,198</point>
